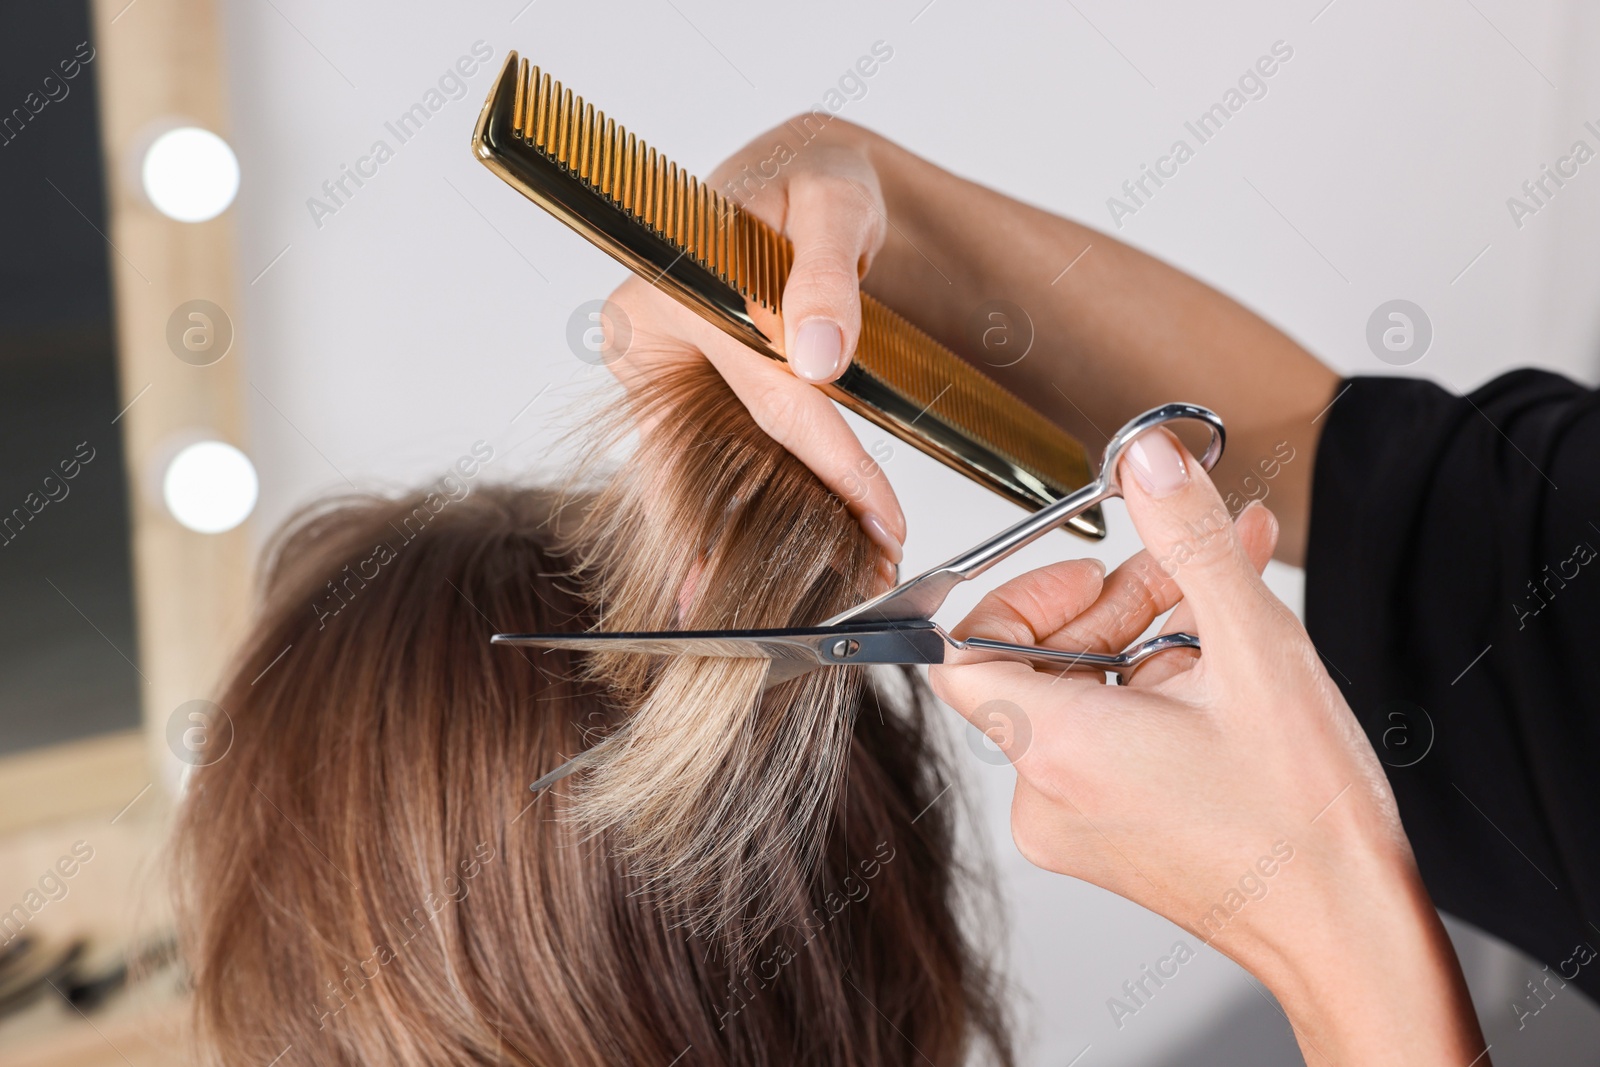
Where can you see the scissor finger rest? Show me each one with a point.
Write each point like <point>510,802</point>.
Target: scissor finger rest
<point>1122,664</point>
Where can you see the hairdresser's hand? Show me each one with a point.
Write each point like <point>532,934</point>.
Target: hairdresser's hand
<point>1232,792</point>
<point>823,193</point>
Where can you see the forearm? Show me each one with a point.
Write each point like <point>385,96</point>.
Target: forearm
<point>1116,334</point>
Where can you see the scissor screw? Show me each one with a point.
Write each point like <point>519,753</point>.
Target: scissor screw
<point>846,647</point>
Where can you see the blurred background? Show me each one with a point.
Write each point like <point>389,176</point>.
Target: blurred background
<point>206,323</point>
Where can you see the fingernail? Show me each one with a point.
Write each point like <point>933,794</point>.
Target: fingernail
<point>1157,464</point>
<point>878,530</point>
<point>889,573</point>
<point>818,346</point>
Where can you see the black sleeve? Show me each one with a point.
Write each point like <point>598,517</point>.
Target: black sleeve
<point>1453,588</point>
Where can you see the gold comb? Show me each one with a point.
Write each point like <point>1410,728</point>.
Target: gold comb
<point>711,254</point>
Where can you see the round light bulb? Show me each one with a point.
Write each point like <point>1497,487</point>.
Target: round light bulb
<point>210,487</point>
<point>190,174</point>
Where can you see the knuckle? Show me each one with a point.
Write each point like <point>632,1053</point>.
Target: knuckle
<point>826,271</point>
<point>1203,543</point>
<point>777,413</point>
<point>1140,605</point>
<point>998,620</point>
<point>1131,597</point>
<point>836,183</point>
<point>845,196</point>
<point>1220,555</point>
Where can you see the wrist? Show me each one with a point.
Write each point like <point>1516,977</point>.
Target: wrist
<point>1366,973</point>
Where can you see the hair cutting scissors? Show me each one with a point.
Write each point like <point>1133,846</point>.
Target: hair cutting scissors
<point>897,627</point>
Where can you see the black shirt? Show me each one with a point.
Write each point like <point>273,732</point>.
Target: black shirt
<point>1453,589</point>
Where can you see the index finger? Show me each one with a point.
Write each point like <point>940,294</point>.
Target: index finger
<point>796,415</point>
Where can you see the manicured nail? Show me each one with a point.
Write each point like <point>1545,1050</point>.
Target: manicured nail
<point>818,347</point>
<point>878,530</point>
<point>1157,464</point>
<point>889,573</point>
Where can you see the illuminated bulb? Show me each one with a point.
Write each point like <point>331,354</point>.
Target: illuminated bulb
<point>210,487</point>
<point>190,174</point>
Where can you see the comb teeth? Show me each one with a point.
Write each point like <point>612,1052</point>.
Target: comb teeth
<point>655,192</point>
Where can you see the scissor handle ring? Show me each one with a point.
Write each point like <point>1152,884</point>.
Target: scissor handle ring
<point>1150,420</point>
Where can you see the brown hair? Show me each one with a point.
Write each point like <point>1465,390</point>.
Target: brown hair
<point>365,878</point>
<point>717,792</point>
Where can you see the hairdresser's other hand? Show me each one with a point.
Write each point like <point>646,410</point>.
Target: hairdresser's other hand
<point>821,190</point>
<point>1233,793</point>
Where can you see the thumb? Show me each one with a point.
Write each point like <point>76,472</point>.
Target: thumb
<point>1192,538</point>
<point>835,231</point>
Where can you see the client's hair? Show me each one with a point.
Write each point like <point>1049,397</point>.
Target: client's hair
<point>364,876</point>
<point>718,795</point>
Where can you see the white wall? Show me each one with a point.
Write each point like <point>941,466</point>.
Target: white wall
<point>430,310</point>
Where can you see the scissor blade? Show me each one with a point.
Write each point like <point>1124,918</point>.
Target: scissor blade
<point>723,645</point>
<point>792,651</point>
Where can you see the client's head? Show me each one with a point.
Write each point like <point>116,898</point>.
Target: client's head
<point>366,878</point>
